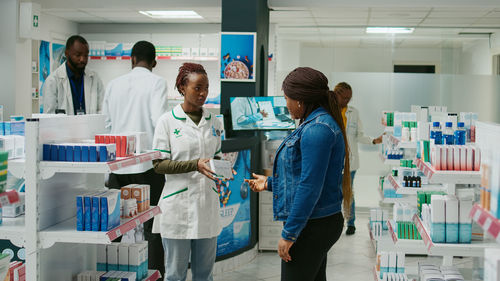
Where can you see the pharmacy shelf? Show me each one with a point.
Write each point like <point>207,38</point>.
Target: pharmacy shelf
<point>474,249</point>
<point>153,275</point>
<point>181,58</point>
<point>449,177</point>
<point>402,144</point>
<point>49,168</point>
<point>66,232</point>
<point>13,229</point>
<point>390,162</point>
<point>486,220</point>
<point>413,190</point>
<point>16,167</point>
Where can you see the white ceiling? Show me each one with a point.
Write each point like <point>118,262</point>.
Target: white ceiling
<point>322,22</point>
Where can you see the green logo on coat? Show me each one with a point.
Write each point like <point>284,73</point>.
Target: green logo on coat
<point>177,132</point>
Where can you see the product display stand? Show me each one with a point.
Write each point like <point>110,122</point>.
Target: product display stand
<point>54,249</point>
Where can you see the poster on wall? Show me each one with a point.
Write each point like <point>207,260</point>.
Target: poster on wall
<point>237,56</point>
<point>44,67</point>
<point>58,56</point>
<point>235,206</point>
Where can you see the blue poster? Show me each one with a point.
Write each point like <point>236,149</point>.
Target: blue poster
<point>44,67</point>
<point>58,56</point>
<point>237,57</point>
<point>235,206</point>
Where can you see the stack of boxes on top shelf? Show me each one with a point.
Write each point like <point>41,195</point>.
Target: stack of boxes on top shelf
<point>378,219</point>
<point>12,137</point>
<point>447,216</point>
<point>405,228</point>
<point>447,139</point>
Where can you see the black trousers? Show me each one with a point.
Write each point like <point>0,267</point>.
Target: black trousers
<point>310,250</point>
<point>156,183</point>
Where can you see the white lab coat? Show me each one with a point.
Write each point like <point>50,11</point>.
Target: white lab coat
<point>57,92</point>
<point>133,103</point>
<point>355,134</point>
<point>193,212</point>
<point>245,112</point>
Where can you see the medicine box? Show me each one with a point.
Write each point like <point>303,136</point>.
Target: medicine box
<point>452,217</point>
<point>438,222</point>
<point>110,210</point>
<point>123,256</point>
<point>102,262</point>
<point>112,256</point>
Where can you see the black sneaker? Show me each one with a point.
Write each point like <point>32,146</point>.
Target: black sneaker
<point>350,230</point>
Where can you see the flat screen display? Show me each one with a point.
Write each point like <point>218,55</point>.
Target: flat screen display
<point>260,113</point>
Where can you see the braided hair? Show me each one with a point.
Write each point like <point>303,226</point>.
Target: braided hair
<point>184,71</point>
<point>310,87</point>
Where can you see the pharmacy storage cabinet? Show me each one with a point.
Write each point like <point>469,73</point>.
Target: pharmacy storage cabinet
<point>54,249</point>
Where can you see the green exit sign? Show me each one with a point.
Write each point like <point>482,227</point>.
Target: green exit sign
<point>35,21</point>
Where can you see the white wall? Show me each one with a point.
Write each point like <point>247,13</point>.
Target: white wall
<point>8,35</point>
<point>476,58</point>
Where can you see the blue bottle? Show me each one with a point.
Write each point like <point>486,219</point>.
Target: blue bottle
<point>448,136</point>
<point>436,133</point>
<point>460,134</point>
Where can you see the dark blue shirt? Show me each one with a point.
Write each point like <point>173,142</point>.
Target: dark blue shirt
<point>77,90</point>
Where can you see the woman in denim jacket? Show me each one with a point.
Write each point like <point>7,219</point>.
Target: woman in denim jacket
<point>308,182</point>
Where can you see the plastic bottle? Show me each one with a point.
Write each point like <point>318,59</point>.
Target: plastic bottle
<point>460,134</point>
<point>405,132</point>
<point>413,131</point>
<point>405,181</point>
<point>436,133</point>
<point>448,137</point>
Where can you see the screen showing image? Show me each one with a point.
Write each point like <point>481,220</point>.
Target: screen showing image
<point>260,113</point>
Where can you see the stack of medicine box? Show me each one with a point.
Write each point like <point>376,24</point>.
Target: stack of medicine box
<point>79,152</point>
<point>17,271</point>
<point>378,219</point>
<point>124,257</point>
<point>13,145</point>
<point>390,262</point>
<point>125,144</point>
<point>430,272</point>
<point>138,194</point>
<point>448,218</point>
<point>8,128</point>
<point>455,157</point>
<point>98,211</point>
<point>403,216</point>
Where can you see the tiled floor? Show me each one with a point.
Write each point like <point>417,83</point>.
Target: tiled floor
<point>351,258</point>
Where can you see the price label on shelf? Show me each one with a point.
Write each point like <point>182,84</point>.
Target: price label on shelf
<point>137,222</point>
<point>477,215</point>
<point>150,214</point>
<point>118,233</point>
<point>487,224</point>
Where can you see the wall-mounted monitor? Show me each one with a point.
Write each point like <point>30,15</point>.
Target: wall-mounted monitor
<point>260,113</point>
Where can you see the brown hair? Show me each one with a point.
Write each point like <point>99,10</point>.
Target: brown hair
<point>310,87</point>
<point>186,69</point>
<point>341,87</point>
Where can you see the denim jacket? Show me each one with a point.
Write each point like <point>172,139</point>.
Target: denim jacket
<point>307,173</point>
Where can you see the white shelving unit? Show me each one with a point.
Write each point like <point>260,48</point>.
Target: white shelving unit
<point>413,190</point>
<point>48,229</point>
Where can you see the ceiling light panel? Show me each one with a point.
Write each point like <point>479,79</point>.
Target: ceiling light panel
<point>171,14</point>
<point>389,30</point>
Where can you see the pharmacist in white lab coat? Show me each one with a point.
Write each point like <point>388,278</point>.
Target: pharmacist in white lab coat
<point>188,137</point>
<point>355,134</point>
<point>71,87</point>
<point>133,103</point>
<point>246,113</point>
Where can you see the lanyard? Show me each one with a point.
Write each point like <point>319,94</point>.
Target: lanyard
<point>80,94</point>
